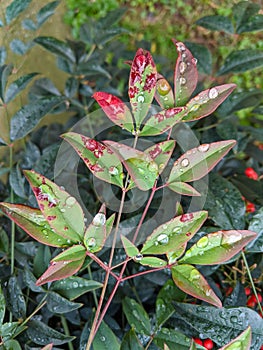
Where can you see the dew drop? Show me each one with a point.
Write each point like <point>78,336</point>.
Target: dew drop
<point>62,188</point>
<point>113,170</point>
<point>91,242</point>
<point>203,242</point>
<point>182,67</point>
<point>234,319</point>
<point>194,108</point>
<point>138,257</point>
<point>75,284</point>
<point>163,239</point>
<point>140,99</point>
<point>231,238</point>
<point>185,162</point>
<point>194,275</point>
<point>141,171</point>
<point>99,219</point>
<point>204,147</point>
<point>102,338</point>
<point>70,201</point>
<point>180,47</point>
<point>62,210</point>
<point>208,292</point>
<point>213,93</point>
<point>194,61</point>
<point>182,81</point>
<point>166,98</point>
<point>153,167</point>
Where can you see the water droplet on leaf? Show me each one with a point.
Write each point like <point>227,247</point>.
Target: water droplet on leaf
<point>213,93</point>
<point>113,170</point>
<point>70,201</point>
<point>185,162</point>
<point>204,147</point>
<point>203,242</point>
<point>182,67</point>
<point>182,81</point>
<point>91,242</point>
<point>163,239</point>
<point>138,257</point>
<point>140,99</point>
<point>99,219</point>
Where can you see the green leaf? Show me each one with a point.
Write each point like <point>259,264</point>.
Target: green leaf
<point>30,281</point>
<point>217,247</point>
<point>10,330</point>
<point>19,47</point>
<point>29,24</point>
<point>64,265</point>
<point>105,339</point>
<point>130,341</point>
<point>59,305</point>
<point>174,233</point>
<point>17,182</point>
<point>136,316</point>
<point>57,47</point>
<point>190,280</point>
<point>185,74</point>
<point>255,23</point>
<point>100,159</point>
<point>220,23</point>
<point>203,56</point>
<point>14,9</point>
<point>207,101</point>
<point>2,55</point>
<point>33,223</point>
<point>164,120</point>
<point>4,242</point>
<point>221,325</point>
<point>164,93</point>
<point>152,261</point>
<point>41,334</point>
<point>71,87</point>
<point>173,338</point>
<point>142,84</point>
<point>161,153</point>
<point>12,345</point>
<point>256,225</point>
<point>130,249</point>
<point>183,188</point>
<point>116,110</point>
<point>74,286</point>
<point>242,61</point>
<point>46,11</point>
<point>243,341</point>
<point>18,86</point>
<point>2,307</point>
<point>242,11</point>
<point>60,209</point>
<point>30,115</point>
<point>142,169</point>
<point>199,161</point>
<point>225,204</point>
<point>15,300</point>
<point>5,72</point>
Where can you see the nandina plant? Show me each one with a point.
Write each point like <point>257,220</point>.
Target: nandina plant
<point>59,221</point>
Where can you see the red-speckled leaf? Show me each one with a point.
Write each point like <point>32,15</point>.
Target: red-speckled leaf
<point>198,161</point>
<point>161,153</point>
<point>64,265</point>
<point>130,249</point>
<point>164,120</point>
<point>115,109</point>
<point>183,188</point>
<point>60,209</point>
<point>164,93</point>
<point>190,280</point>
<point>242,342</point>
<point>142,169</point>
<point>142,84</point>
<point>100,160</point>
<point>34,223</point>
<point>98,231</point>
<point>185,74</point>
<point>171,235</point>
<point>207,101</point>
<point>218,247</point>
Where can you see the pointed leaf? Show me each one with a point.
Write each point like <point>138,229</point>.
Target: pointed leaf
<point>64,265</point>
<point>217,247</point>
<point>14,9</point>
<point>242,61</point>
<point>256,225</point>
<point>242,11</point>
<point>190,280</point>
<point>17,182</point>
<point>29,24</point>
<point>142,169</point>
<point>30,115</point>
<point>61,210</point>
<point>46,11</point>
<point>243,341</point>
<point>100,159</point>
<point>136,316</point>
<point>203,56</point>
<point>255,23</point>
<point>142,84</point>
<point>174,233</point>
<point>152,261</point>
<point>183,188</point>
<point>18,86</point>
<point>15,300</point>
<point>161,153</point>
<point>164,120</point>
<point>130,249</point>
<point>34,224</point>
<point>131,342</point>
<point>59,305</point>
<point>199,161</point>
<point>19,47</point>
<point>164,93</point>
<point>207,101</point>
<point>5,72</point>
<point>57,47</point>
<point>3,55</point>
<point>105,339</point>
<point>185,74</point>
<point>173,338</point>
<point>74,286</point>
<point>2,307</point>
<point>115,109</point>
<point>218,22</point>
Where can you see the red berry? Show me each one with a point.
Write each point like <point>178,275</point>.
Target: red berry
<point>198,341</point>
<point>247,291</point>
<point>250,207</point>
<point>208,344</point>
<point>260,297</point>
<point>250,172</point>
<point>251,302</point>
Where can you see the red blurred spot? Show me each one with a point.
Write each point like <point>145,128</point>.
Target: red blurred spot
<point>251,173</point>
<point>208,344</point>
<point>198,341</point>
<point>250,207</point>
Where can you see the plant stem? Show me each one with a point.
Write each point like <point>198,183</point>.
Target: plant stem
<point>12,250</point>
<point>251,281</point>
<point>66,330</point>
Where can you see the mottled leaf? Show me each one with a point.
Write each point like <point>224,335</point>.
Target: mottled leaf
<point>207,101</point>
<point>64,265</point>
<point>14,9</point>
<point>199,161</point>
<point>142,84</point>
<point>243,341</point>
<point>190,280</point>
<point>18,86</point>
<point>164,93</point>
<point>59,305</point>
<point>34,223</point>
<point>17,182</point>
<point>174,233</point>
<point>242,11</point>
<point>185,74</point>
<point>217,247</point>
<point>242,61</point>
<point>115,109</point>
<point>218,22</point>
<point>130,341</point>
<point>60,209</point>
<point>255,23</point>
<point>161,153</point>
<point>15,300</point>
<point>100,159</point>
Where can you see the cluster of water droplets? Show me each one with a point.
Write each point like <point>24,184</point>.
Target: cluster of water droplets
<point>203,98</point>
